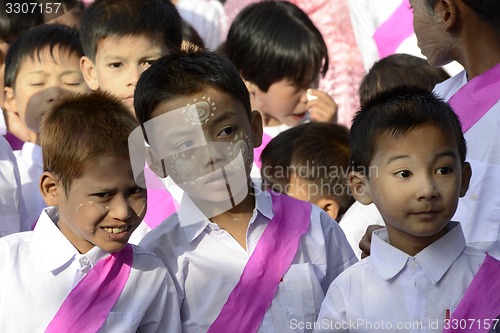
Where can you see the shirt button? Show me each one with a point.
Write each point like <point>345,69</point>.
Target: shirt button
<point>84,261</point>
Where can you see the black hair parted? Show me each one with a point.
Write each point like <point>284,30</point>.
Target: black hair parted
<point>32,42</point>
<point>184,73</point>
<point>274,40</point>
<point>155,19</point>
<point>395,112</point>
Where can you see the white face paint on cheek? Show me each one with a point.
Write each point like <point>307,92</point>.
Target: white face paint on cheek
<point>185,169</point>
<point>241,146</point>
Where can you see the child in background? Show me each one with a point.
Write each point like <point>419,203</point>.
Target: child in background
<point>317,167</point>
<point>397,70</point>
<point>269,257</point>
<point>408,156</point>
<point>75,272</point>
<point>121,39</point>
<point>390,72</point>
<point>12,24</point>
<point>42,66</point>
<point>280,55</point>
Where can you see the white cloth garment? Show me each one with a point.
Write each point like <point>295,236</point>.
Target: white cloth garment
<point>391,291</point>
<point>207,263</point>
<point>39,268</point>
<point>355,221</point>
<point>30,163</point>
<point>479,210</point>
<point>367,16</point>
<point>12,209</point>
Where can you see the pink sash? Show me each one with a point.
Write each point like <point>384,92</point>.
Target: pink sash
<point>273,255</point>
<point>397,28</point>
<point>161,204</point>
<point>258,151</point>
<point>477,97</point>
<point>87,306</point>
<point>481,302</point>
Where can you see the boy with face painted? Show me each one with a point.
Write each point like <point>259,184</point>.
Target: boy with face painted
<point>42,66</point>
<point>408,154</point>
<point>75,271</point>
<point>257,260</point>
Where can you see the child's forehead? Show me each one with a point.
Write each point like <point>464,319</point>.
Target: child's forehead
<point>119,41</point>
<point>53,53</point>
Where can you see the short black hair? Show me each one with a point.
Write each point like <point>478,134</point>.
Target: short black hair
<point>400,69</point>
<point>183,73</point>
<point>396,112</point>
<point>274,40</point>
<point>155,19</point>
<point>32,42</point>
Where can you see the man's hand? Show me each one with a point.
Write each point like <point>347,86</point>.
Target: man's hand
<point>366,241</point>
<point>322,108</point>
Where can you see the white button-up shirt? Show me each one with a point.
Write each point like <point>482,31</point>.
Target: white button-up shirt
<point>391,291</point>
<point>207,263</point>
<point>39,268</point>
<point>13,216</point>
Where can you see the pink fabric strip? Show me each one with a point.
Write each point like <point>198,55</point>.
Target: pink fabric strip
<point>258,151</point>
<point>473,100</point>
<point>87,306</point>
<point>161,204</point>
<point>273,255</point>
<point>397,28</point>
<point>481,302</point>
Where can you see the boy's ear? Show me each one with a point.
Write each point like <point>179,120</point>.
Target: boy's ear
<point>466,175</point>
<point>50,188</point>
<point>447,11</point>
<point>9,99</point>
<point>358,184</point>
<point>89,73</point>
<point>256,124</point>
<point>330,206</point>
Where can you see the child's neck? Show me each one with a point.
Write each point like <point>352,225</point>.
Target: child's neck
<point>236,220</point>
<point>411,244</point>
<point>269,121</point>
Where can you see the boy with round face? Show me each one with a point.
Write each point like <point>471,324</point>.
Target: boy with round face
<point>408,154</point>
<point>196,118</point>
<point>41,67</point>
<point>79,244</point>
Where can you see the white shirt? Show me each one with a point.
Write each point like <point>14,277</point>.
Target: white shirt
<point>30,163</point>
<point>367,16</point>
<point>391,291</point>
<point>12,209</point>
<point>39,268</point>
<point>355,221</point>
<point>207,263</point>
<point>479,210</point>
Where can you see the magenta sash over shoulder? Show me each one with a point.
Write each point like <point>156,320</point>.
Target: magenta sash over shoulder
<point>397,28</point>
<point>473,100</point>
<point>87,306</point>
<point>481,302</point>
<point>273,255</point>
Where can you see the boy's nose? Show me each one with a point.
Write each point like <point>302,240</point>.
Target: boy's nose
<point>427,189</point>
<point>53,94</point>
<point>119,208</point>
<point>133,76</point>
<point>214,155</point>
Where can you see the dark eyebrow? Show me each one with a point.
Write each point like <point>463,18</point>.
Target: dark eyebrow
<point>224,116</point>
<point>392,159</point>
<point>446,153</point>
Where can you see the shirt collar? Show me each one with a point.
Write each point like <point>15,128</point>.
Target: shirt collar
<point>55,249</point>
<point>435,259</point>
<point>193,221</point>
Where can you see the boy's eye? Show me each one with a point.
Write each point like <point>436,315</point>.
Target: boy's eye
<point>184,145</point>
<point>115,65</point>
<point>148,62</point>
<point>102,195</point>
<point>403,174</point>
<point>73,83</point>
<point>136,190</point>
<point>226,132</point>
<point>444,170</point>
<point>37,84</point>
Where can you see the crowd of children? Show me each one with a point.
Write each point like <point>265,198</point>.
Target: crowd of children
<point>227,169</point>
